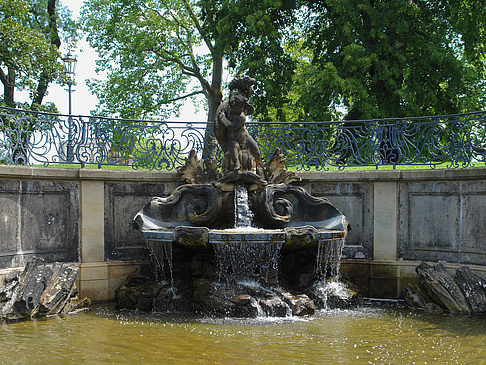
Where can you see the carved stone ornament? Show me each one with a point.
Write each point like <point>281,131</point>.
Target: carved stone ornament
<point>188,205</point>
<point>208,198</point>
<point>283,205</point>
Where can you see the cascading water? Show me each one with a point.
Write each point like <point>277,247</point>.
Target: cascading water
<point>247,254</point>
<point>328,265</point>
<point>243,214</point>
<point>161,253</point>
<point>245,260</point>
<point>329,254</point>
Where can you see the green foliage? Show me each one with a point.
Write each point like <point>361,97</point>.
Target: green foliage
<point>155,53</point>
<point>30,36</point>
<point>256,33</point>
<point>380,58</point>
<point>147,49</point>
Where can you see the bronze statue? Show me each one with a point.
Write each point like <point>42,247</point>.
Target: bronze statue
<point>240,149</point>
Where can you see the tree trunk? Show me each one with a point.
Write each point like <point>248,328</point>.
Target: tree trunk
<point>46,76</point>
<point>214,98</point>
<point>8,82</point>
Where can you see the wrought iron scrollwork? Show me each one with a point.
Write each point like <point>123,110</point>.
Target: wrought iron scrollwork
<point>36,138</point>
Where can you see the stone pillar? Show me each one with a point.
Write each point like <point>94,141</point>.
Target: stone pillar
<point>384,271</point>
<point>92,221</point>
<point>93,277</point>
<point>385,218</point>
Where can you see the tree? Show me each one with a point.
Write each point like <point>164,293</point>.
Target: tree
<point>367,59</point>
<point>398,58</point>
<point>30,38</point>
<point>158,53</point>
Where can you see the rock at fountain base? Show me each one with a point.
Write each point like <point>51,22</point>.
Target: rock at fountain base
<point>139,292</point>
<point>440,292</point>
<point>244,300</point>
<point>248,300</point>
<point>300,305</point>
<point>37,291</point>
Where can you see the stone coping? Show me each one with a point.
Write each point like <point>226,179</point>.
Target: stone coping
<point>473,173</point>
<point>54,173</point>
<point>411,264</point>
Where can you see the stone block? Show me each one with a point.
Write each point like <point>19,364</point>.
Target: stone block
<point>385,220</point>
<point>355,201</point>
<point>384,270</point>
<point>122,201</point>
<point>94,271</point>
<point>92,219</point>
<point>95,290</point>
<point>357,273</point>
<point>38,219</point>
<point>384,288</point>
<point>122,270</point>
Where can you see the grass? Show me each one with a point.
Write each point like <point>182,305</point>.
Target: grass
<point>385,167</point>
<point>293,168</point>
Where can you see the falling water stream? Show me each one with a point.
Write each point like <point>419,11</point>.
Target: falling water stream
<point>243,214</point>
<point>248,254</point>
<point>328,267</point>
<point>161,252</point>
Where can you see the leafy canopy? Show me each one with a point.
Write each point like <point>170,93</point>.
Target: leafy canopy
<point>31,32</point>
<point>380,58</point>
<point>157,53</point>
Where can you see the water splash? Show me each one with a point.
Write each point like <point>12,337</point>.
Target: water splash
<point>323,290</point>
<point>328,266</point>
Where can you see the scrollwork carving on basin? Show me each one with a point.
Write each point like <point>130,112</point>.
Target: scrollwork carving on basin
<point>283,205</point>
<point>196,205</point>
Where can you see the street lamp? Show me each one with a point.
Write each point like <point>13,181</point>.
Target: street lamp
<point>69,70</point>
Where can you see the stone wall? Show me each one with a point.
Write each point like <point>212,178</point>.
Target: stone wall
<point>38,218</point>
<point>398,218</point>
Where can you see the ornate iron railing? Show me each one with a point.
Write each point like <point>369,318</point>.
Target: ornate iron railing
<point>47,139</point>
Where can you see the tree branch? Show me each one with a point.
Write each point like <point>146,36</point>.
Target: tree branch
<point>186,70</point>
<point>3,77</point>
<point>174,17</point>
<point>198,26</point>
<point>46,76</point>
<point>181,97</point>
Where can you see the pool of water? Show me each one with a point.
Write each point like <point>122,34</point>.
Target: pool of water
<point>366,335</point>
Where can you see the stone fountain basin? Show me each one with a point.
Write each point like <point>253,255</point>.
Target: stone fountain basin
<point>203,238</point>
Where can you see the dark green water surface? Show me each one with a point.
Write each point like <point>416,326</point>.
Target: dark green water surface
<point>363,336</point>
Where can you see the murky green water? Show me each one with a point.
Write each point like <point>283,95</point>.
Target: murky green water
<point>367,335</point>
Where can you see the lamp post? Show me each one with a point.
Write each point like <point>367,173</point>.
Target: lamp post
<point>69,70</point>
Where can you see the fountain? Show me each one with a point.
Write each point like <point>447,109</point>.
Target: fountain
<point>218,239</point>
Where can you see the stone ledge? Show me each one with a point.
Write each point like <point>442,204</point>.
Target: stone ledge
<point>35,172</point>
<point>56,173</point>
<point>475,173</point>
<point>32,172</point>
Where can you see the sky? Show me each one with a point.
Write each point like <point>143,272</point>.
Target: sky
<point>83,101</point>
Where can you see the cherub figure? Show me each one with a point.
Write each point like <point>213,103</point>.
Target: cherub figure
<point>230,128</point>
